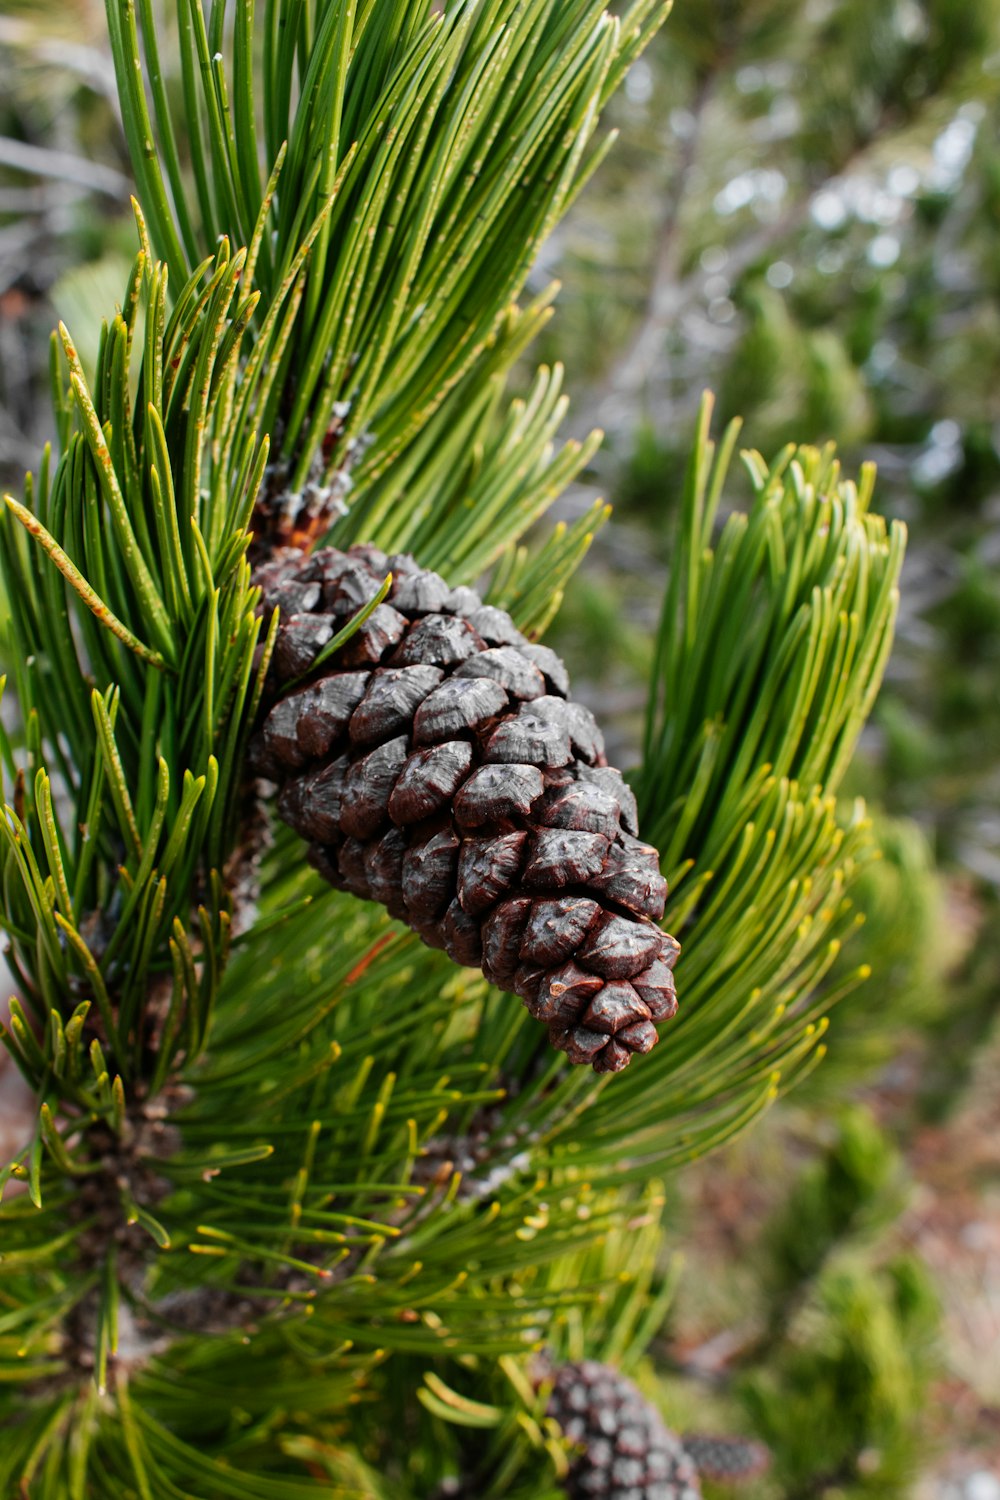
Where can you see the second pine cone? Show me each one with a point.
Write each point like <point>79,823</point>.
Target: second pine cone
<point>436,765</point>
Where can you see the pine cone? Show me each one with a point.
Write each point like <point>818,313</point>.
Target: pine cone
<point>726,1460</point>
<point>628,1451</point>
<point>436,765</point>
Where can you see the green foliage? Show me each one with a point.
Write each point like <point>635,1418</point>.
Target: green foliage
<point>834,1340</point>
<point>793,378</point>
<point>132,630</point>
<point>434,137</point>
<point>878,65</point>
<point>803,217</point>
<point>956,1033</point>
<point>900,894</point>
<point>791,606</point>
<point>305,1205</point>
<point>843,1408</point>
<point>316,1175</point>
<point>852,1190</point>
<point>770,652</point>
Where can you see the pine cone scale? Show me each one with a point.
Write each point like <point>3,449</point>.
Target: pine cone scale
<point>436,766</point>
<point>429,780</point>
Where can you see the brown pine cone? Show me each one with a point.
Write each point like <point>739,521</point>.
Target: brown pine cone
<point>627,1451</point>
<point>437,765</point>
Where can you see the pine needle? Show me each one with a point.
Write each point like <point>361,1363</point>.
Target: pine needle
<point>76,580</point>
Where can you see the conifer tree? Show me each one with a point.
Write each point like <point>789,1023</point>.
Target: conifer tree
<point>304,1201</point>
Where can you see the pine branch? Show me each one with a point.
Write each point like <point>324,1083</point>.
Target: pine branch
<point>324,1147</point>
<point>132,630</point>
<point>434,137</point>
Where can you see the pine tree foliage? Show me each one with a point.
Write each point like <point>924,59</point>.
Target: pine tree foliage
<point>431,137</point>
<point>844,1404</point>
<point>126,568</point>
<point>303,1200</point>
<point>854,1190</point>
<point>832,1339</point>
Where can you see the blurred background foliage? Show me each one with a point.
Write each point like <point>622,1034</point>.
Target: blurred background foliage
<point>802,214</point>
